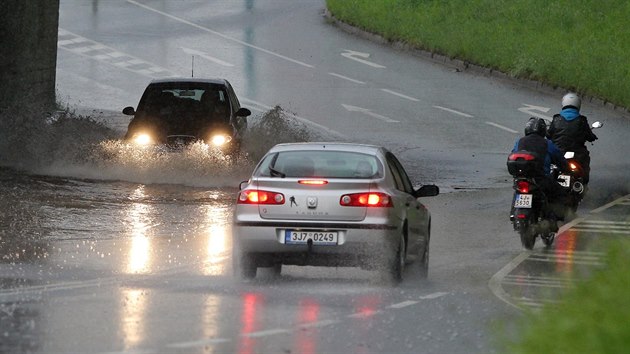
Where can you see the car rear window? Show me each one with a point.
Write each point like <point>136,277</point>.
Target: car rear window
<point>325,164</point>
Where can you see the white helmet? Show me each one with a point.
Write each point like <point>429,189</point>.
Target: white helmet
<point>571,99</point>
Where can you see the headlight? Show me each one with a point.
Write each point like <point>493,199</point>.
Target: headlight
<point>142,139</point>
<point>220,139</point>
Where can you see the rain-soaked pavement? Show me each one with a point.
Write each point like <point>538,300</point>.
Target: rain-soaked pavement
<point>538,277</point>
<point>104,248</point>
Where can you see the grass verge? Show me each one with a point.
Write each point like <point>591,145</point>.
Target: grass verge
<point>592,317</point>
<point>578,45</point>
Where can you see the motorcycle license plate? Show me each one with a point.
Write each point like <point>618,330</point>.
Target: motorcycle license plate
<point>564,180</point>
<point>523,201</point>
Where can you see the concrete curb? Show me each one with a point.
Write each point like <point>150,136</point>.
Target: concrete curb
<point>462,65</point>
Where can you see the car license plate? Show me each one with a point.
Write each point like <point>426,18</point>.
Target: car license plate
<point>523,201</point>
<point>564,180</point>
<point>319,237</point>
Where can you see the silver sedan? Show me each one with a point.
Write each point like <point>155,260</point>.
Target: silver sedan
<point>331,204</point>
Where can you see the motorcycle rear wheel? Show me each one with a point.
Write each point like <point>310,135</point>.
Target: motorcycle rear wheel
<point>528,237</point>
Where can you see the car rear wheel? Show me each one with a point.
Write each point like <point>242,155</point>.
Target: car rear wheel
<point>424,262</point>
<point>245,267</point>
<point>396,263</point>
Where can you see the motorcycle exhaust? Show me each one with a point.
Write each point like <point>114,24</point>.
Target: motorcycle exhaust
<point>578,187</point>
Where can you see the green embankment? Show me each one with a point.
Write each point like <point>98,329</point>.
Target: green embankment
<point>581,45</point>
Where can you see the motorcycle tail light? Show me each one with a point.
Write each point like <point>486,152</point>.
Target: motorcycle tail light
<point>521,216</point>
<point>260,197</point>
<point>522,187</point>
<point>573,166</point>
<point>366,200</point>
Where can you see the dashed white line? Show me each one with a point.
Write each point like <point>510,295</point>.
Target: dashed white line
<point>432,296</point>
<point>198,343</point>
<point>403,304</point>
<point>400,95</point>
<point>454,111</point>
<point>347,78</point>
<point>269,332</point>
<point>502,127</point>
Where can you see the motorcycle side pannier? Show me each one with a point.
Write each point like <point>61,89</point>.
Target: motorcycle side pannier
<point>524,164</point>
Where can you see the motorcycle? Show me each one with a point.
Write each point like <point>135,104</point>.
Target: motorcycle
<point>530,216</point>
<point>573,181</point>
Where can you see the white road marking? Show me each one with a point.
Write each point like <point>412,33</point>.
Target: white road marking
<point>621,200</point>
<point>347,78</point>
<point>198,343</point>
<point>361,58</point>
<point>432,296</point>
<point>206,56</point>
<point>502,127</point>
<point>269,332</point>
<point>87,48</point>
<point>219,34</point>
<point>400,95</point>
<point>454,111</point>
<point>531,111</point>
<point>403,304</point>
<point>368,112</point>
<point>318,324</point>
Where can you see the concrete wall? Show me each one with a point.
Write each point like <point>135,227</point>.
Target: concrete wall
<point>28,52</point>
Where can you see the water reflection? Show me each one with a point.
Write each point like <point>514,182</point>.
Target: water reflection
<point>217,244</point>
<point>140,219</point>
<point>252,306</point>
<point>132,316</point>
<point>306,338</point>
<point>565,249</point>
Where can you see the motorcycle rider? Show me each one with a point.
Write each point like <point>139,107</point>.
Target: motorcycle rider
<point>535,142</point>
<point>570,131</point>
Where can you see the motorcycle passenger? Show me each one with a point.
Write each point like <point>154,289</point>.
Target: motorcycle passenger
<point>535,142</point>
<point>570,131</point>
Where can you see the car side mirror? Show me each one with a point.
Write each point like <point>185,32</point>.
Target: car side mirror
<point>129,111</point>
<point>597,125</point>
<point>429,190</point>
<point>243,112</point>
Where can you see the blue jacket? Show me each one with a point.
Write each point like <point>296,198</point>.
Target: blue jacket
<point>536,143</point>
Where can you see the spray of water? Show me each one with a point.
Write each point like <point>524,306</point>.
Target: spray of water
<point>74,146</point>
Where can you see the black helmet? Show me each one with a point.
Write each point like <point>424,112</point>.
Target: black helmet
<point>536,125</point>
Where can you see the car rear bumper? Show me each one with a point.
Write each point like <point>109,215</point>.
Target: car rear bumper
<point>357,244</point>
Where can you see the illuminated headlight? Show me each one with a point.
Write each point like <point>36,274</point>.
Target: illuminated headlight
<point>220,139</point>
<point>142,139</point>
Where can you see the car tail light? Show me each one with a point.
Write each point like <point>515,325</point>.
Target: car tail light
<point>260,197</point>
<point>522,187</point>
<point>316,182</point>
<point>366,200</point>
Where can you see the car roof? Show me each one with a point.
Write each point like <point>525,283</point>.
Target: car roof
<point>355,147</point>
<point>217,81</point>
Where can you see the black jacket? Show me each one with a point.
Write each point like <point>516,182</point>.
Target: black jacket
<point>570,135</point>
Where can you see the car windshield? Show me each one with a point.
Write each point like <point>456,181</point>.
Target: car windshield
<point>185,100</point>
<point>325,164</point>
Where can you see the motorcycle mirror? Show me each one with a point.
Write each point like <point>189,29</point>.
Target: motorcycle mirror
<point>597,125</point>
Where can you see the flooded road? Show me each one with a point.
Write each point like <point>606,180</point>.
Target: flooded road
<point>106,248</point>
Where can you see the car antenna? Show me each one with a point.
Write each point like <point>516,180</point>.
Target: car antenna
<point>192,70</point>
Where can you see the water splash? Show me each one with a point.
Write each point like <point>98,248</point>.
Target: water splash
<point>75,146</point>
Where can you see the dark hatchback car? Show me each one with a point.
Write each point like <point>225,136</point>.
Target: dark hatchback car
<point>178,111</point>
